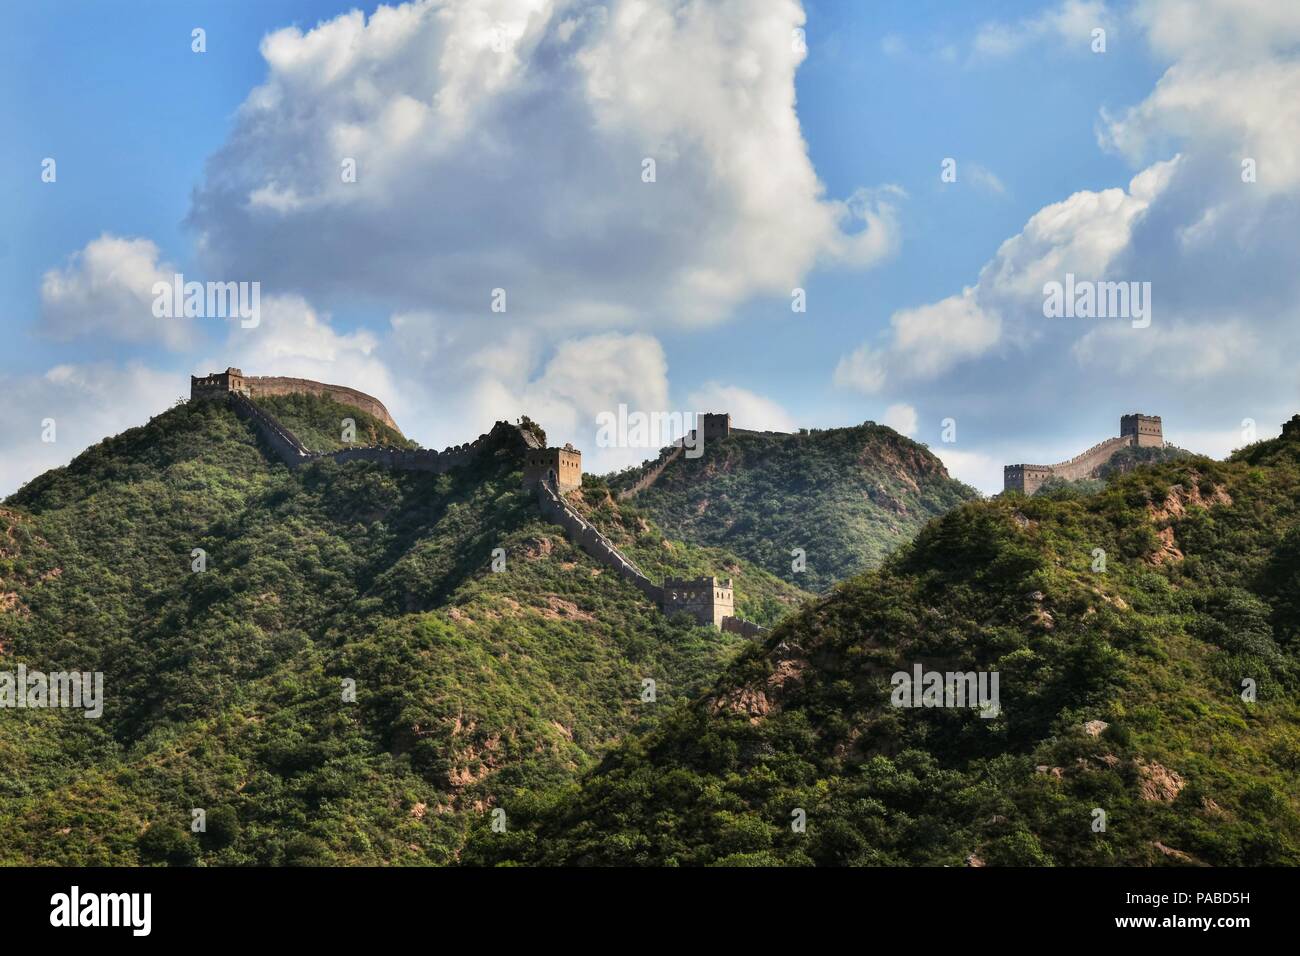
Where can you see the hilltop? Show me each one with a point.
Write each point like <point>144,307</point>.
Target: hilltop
<point>1147,640</point>
<point>225,687</point>
<point>845,496</point>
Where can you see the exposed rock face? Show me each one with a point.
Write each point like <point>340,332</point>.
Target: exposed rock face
<point>1177,855</point>
<point>1093,728</point>
<point>747,701</point>
<point>1175,506</point>
<point>1157,783</point>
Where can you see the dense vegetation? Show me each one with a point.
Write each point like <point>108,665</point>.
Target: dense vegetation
<point>225,687</point>
<point>1128,627</point>
<point>845,496</point>
<point>319,423</point>
<point>1120,463</point>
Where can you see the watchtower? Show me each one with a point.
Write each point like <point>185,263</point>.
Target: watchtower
<point>218,384</point>
<point>707,599</point>
<point>716,425</point>
<point>1144,430</point>
<point>1024,478</point>
<point>562,466</point>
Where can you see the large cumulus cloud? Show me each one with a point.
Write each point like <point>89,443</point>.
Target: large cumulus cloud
<point>501,144</point>
<point>1216,248</point>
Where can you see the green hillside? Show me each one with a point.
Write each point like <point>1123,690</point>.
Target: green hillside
<point>1121,463</point>
<point>845,496</point>
<point>224,688</point>
<point>1121,693</point>
<point>318,422</point>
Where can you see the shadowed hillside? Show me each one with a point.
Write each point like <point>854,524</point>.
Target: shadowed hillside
<point>225,688</point>
<point>1147,641</point>
<point>318,422</point>
<point>846,496</point>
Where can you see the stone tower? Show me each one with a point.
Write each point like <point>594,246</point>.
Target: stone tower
<point>716,425</point>
<point>1024,478</point>
<point>1145,430</point>
<point>563,466</point>
<point>707,599</point>
<point>218,384</point>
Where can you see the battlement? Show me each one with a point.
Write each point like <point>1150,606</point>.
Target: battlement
<point>561,467</point>
<point>548,471</point>
<point>707,599</point>
<point>218,384</point>
<point>1025,478</point>
<point>1146,429</point>
<point>716,425</point>
<point>1135,431</point>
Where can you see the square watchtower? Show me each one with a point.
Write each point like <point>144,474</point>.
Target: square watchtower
<point>1144,430</point>
<point>707,599</point>
<point>1024,478</point>
<point>563,466</point>
<point>218,384</point>
<point>716,425</point>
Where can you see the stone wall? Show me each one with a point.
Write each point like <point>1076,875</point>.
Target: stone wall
<point>584,534</point>
<point>552,506</point>
<point>561,465</point>
<point>282,441</point>
<point>707,599</point>
<point>409,459</point>
<point>651,476</point>
<point>1083,464</point>
<point>292,452</point>
<point>1146,429</point>
<point>1142,431</point>
<point>738,625</point>
<point>261,385</point>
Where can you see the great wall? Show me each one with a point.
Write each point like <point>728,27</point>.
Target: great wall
<point>1135,431</point>
<point>550,472</point>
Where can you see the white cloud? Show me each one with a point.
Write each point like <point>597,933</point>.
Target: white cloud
<point>105,289</point>
<point>502,145</point>
<point>1179,351</point>
<point>984,178</point>
<point>862,369</point>
<point>1069,25</point>
<point>294,340</point>
<point>1217,250</point>
<point>977,469</point>
<point>926,342</point>
<point>901,418</point>
<point>1084,234</point>
<point>748,409</point>
<point>1219,29</point>
<point>87,404</point>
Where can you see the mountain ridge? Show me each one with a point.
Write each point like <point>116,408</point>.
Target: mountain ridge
<point>1148,703</point>
<point>844,497</point>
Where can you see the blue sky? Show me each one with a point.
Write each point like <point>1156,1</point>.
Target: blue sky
<point>519,167</point>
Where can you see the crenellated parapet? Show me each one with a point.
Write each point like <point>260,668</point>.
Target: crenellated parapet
<point>217,385</point>
<point>550,471</point>
<point>1135,431</point>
